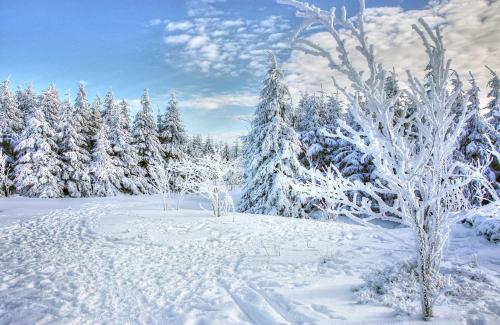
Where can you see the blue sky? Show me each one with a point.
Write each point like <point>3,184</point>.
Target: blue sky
<point>210,52</point>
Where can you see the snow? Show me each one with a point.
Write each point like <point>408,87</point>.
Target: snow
<point>124,260</point>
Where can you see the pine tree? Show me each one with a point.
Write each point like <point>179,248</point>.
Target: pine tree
<point>75,158</point>
<point>208,147</point>
<point>83,113</point>
<point>271,151</point>
<point>37,167</point>
<point>473,144</point>
<point>11,122</point>
<point>6,183</point>
<point>113,120</point>
<point>492,117</point>
<point>236,150</point>
<point>26,100</point>
<point>126,154</point>
<point>197,146</point>
<point>95,120</point>
<point>226,152</point>
<point>172,133</point>
<point>51,106</point>
<point>102,166</point>
<point>147,143</point>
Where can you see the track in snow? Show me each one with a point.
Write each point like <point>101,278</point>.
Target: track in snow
<point>63,268</point>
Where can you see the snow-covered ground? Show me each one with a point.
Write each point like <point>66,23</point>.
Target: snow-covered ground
<point>124,260</point>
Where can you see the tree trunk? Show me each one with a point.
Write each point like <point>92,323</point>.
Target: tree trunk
<point>426,278</point>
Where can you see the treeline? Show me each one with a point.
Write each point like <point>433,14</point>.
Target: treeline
<point>55,148</point>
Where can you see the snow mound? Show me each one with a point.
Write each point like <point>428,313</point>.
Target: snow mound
<point>484,226</point>
<point>397,286</point>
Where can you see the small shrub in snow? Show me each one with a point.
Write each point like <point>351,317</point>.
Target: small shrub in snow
<point>397,286</point>
<point>208,177</point>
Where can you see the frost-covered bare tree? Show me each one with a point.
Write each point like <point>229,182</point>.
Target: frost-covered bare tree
<point>413,155</point>
<point>163,183</point>
<point>208,177</point>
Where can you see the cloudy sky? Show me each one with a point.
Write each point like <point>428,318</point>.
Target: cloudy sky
<point>212,53</point>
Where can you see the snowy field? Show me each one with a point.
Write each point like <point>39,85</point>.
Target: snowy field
<point>123,260</point>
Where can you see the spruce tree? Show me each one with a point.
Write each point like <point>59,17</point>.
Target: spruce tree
<point>473,144</point>
<point>95,120</point>
<point>37,166</point>
<point>26,100</point>
<point>271,150</point>
<point>131,175</point>
<point>83,113</point>
<point>51,106</point>
<point>492,117</point>
<point>197,146</point>
<point>172,133</point>
<point>11,122</point>
<point>236,150</point>
<point>147,144</point>
<point>75,173</point>
<point>102,166</point>
<point>209,147</point>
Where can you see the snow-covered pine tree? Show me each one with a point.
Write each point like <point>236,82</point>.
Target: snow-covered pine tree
<point>458,104</point>
<point>75,173</point>
<point>51,106</point>
<point>128,176</point>
<point>236,150</point>
<point>83,113</point>
<point>6,182</point>
<point>147,143</point>
<point>307,113</point>
<point>318,113</point>
<point>125,115</point>
<point>492,116</point>
<point>11,123</point>
<point>271,152</point>
<point>196,145</point>
<point>473,144</point>
<point>208,146</point>
<point>102,166</point>
<point>26,101</point>
<point>94,123</point>
<point>37,167</point>
<point>132,180</point>
<point>226,151</point>
<point>172,133</point>
<point>112,118</point>
<point>351,162</point>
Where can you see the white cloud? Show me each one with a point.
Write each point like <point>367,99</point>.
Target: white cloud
<point>240,99</point>
<point>203,8</point>
<point>198,41</point>
<point>214,45</point>
<point>178,26</point>
<point>470,35</point>
<point>233,23</point>
<point>177,39</point>
<point>154,22</point>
